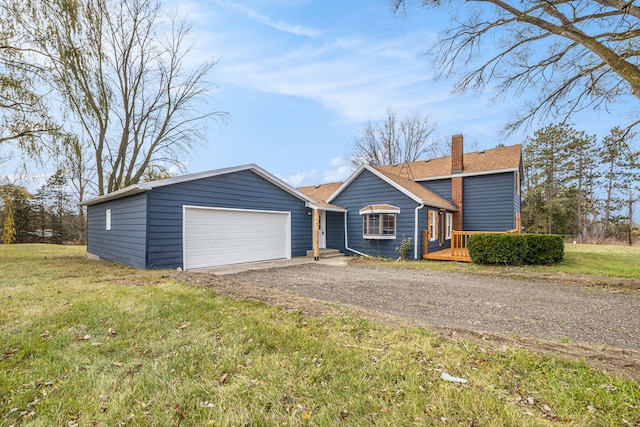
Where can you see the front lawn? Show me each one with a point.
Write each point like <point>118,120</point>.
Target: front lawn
<point>91,343</point>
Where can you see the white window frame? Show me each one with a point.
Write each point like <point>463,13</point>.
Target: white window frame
<point>384,213</point>
<point>434,225</point>
<point>449,223</point>
<point>107,225</point>
<point>382,220</point>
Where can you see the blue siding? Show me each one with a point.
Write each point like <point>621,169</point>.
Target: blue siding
<point>368,189</point>
<point>125,242</point>
<point>488,202</point>
<point>238,190</point>
<point>335,231</point>
<point>442,187</point>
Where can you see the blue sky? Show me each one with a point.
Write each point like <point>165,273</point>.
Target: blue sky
<point>299,79</point>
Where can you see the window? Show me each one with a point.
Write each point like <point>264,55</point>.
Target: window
<point>433,225</point>
<point>449,222</point>
<point>379,221</point>
<point>379,226</point>
<point>108,220</point>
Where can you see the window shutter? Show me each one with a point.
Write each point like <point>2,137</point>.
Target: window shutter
<point>428,225</point>
<point>436,227</point>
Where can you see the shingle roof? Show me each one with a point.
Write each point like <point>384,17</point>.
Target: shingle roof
<point>424,194</point>
<point>320,194</point>
<point>495,159</point>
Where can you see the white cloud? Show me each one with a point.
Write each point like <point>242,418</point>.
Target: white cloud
<point>296,29</point>
<point>342,169</point>
<point>301,179</point>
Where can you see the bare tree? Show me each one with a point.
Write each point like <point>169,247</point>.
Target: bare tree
<point>121,69</point>
<point>23,114</point>
<point>578,54</point>
<point>394,141</point>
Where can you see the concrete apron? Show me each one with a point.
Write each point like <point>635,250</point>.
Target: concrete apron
<point>222,270</point>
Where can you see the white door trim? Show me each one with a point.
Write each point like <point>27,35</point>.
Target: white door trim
<point>322,241</point>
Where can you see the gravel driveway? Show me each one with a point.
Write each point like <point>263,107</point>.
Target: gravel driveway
<point>544,310</point>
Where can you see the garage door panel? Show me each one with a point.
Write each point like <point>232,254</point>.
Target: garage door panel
<point>215,237</point>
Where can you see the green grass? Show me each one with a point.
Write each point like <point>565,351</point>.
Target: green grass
<point>599,260</point>
<point>159,352</point>
<point>596,260</point>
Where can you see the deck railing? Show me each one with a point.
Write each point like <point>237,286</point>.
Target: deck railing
<point>458,250</point>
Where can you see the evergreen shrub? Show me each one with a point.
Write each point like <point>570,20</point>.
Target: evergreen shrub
<point>515,249</point>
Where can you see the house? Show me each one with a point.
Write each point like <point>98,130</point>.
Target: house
<point>424,200</point>
<point>245,214</point>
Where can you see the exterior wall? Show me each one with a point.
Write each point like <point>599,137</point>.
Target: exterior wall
<point>489,202</point>
<point>335,231</point>
<point>239,190</point>
<point>368,189</point>
<point>442,187</point>
<point>126,241</point>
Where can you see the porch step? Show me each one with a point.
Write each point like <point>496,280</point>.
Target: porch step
<point>326,253</point>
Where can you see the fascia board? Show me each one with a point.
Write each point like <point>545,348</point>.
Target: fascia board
<point>434,178</point>
<point>394,185</point>
<point>123,192</point>
<point>312,205</point>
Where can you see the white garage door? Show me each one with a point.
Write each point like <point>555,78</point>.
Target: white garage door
<point>214,237</point>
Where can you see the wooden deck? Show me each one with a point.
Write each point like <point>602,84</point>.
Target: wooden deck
<point>445,255</point>
<point>457,252</point>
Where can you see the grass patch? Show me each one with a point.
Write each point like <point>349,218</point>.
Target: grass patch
<point>596,260</point>
<point>92,343</point>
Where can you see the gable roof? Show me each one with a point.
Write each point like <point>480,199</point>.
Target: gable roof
<point>146,186</point>
<point>495,160</point>
<point>411,189</point>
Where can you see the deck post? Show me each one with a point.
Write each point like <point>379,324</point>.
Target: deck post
<point>316,234</point>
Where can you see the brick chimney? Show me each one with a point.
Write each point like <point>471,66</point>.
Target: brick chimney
<point>457,154</point>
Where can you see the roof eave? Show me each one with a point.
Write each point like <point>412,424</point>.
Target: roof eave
<point>123,192</point>
<point>490,172</point>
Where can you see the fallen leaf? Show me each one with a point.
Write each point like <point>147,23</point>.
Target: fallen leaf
<point>178,409</point>
<point>111,332</point>
<point>223,378</point>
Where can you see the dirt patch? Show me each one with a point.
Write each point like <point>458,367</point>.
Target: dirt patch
<point>546,316</point>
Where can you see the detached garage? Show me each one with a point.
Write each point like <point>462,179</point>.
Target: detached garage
<point>227,216</point>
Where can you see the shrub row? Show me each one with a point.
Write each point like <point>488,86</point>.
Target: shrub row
<point>515,249</point>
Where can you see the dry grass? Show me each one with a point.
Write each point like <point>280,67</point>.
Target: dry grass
<point>91,343</point>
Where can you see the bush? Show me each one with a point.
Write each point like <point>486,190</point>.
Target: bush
<point>514,249</point>
<point>543,249</point>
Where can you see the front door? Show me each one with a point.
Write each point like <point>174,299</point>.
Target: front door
<point>323,230</point>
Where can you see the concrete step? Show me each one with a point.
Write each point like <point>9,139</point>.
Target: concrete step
<point>326,253</point>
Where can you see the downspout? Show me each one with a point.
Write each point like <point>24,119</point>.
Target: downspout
<point>415,233</point>
<point>346,240</point>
